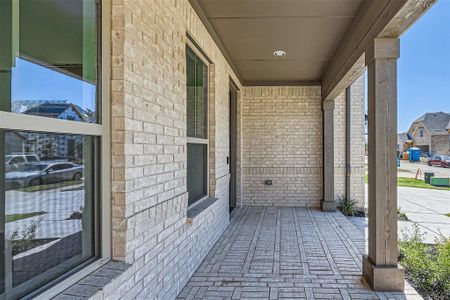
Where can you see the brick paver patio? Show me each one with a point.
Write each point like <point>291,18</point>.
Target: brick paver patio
<point>286,253</point>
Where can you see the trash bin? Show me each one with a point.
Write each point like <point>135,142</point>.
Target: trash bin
<point>428,176</point>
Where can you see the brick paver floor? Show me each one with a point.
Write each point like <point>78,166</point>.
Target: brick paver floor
<point>286,253</point>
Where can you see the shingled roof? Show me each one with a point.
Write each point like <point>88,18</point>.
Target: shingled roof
<point>436,123</point>
<point>53,110</point>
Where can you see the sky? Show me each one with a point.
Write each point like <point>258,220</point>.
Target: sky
<point>424,66</point>
<point>31,81</point>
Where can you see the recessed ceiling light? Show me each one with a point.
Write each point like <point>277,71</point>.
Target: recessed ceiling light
<point>279,53</point>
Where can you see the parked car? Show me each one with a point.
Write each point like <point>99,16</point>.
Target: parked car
<point>445,162</point>
<point>41,173</point>
<point>17,161</point>
<point>435,160</point>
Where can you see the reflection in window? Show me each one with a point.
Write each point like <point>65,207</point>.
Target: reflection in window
<point>54,70</point>
<point>196,90</point>
<point>48,217</point>
<point>197,127</point>
<point>196,171</point>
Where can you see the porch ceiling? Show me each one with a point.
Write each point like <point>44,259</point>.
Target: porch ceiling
<point>250,31</point>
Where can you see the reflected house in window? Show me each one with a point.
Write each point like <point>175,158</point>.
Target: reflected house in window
<point>58,110</point>
<point>54,146</point>
<point>16,142</point>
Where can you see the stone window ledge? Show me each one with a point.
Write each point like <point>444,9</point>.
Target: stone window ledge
<point>92,284</point>
<point>198,209</point>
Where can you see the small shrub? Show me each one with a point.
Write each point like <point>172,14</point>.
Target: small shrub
<point>347,206</point>
<point>76,215</point>
<point>401,216</point>
<point>427,267</point>
<point>21,242</point>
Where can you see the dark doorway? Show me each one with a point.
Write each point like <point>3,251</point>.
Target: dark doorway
<point>233,134</point>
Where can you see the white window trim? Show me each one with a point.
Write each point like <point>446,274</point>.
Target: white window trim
<point>193,140</point>
<point>9,120</point>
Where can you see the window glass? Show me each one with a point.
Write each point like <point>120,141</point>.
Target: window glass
<point>197,126</point>
<point>51,70</point>
<point>31,158</point>
<point>190,89</point>
<point>196,73</point>
<point>17,160</point>
<point>196,172</point>
<point>47,221</point>
<point>201,97</point>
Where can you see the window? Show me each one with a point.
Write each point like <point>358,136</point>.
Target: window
<point>197,126</point>
<point>54,51</point>
<point>31,158</point>
<point>52,137</point>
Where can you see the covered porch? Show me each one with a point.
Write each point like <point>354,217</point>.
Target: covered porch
<point>286,253</point>
<point>225,135</point>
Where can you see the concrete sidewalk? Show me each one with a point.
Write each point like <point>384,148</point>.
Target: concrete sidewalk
<point>426,207</point>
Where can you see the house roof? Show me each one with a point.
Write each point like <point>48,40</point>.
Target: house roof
<point>403,137</point>
<point>436,123</point>
<point>52,110</point>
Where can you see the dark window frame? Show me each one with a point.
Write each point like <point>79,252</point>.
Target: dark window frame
<point>194,139</point>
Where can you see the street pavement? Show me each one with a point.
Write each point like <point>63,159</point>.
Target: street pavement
<point>408,169</point>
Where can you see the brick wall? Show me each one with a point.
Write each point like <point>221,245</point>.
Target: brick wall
<point>357,141</point>
<point>340,111</point>
<point>150,228</point>
<point>440,144</point>
<point>282,142</point>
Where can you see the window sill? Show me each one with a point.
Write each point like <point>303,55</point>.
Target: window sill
<point>93,283</point>
<point>198,209</point>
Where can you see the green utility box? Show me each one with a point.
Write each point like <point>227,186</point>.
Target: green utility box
<point>428,176</point>
<point>439,181</point>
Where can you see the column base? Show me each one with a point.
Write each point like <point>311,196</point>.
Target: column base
<point>328,206</point>
<point>384,278</point>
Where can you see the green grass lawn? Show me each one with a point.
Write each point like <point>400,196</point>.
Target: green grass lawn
<point>411,182</point>
<point>16,217</point>
<point>45,187</point>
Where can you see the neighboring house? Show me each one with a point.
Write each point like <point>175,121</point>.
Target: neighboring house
<point>403,142</point>
<point>430,133</point>
<point>15,142</point>
<point>64,111</point>
<point>21,106</point>
<point>48,146</point>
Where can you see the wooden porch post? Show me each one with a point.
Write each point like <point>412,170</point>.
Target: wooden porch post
<point>328,203</point>
<point>380,266</point>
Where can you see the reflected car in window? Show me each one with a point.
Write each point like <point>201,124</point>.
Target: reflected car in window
<point>40,173</point>
<point>17,161</point>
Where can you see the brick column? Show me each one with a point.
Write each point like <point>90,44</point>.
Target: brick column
<point>328,203</point>
<point>380,266</point>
